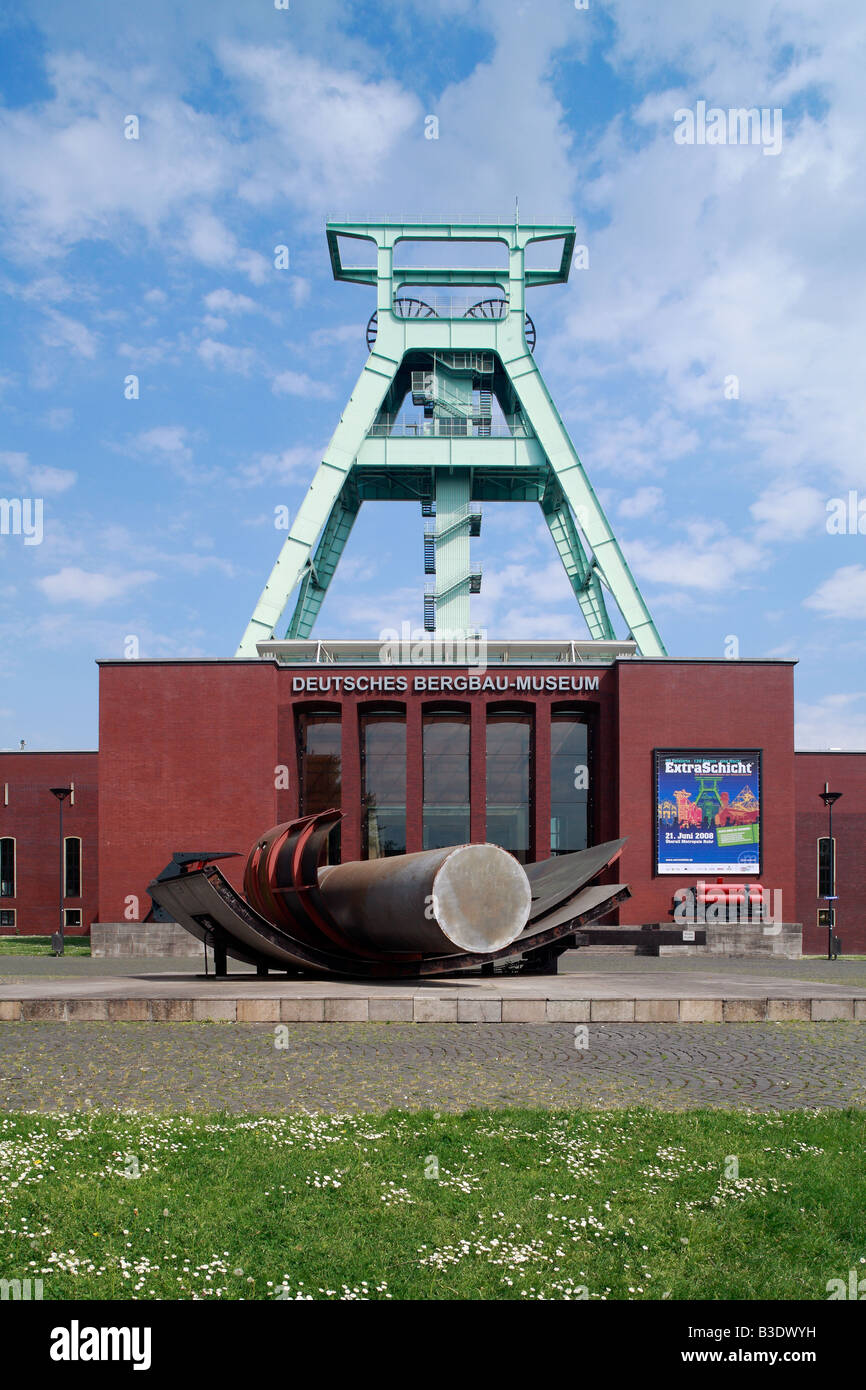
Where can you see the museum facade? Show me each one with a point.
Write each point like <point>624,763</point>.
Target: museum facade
<point>543,748</point>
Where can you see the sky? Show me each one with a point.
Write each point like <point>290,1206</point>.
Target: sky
<point>707,361</point>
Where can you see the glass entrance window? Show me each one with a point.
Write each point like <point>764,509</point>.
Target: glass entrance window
<point>320,767</point>
<point>569,783</point>
<point>383,782</point>
<point>446,778</point>
<point>509,781</point>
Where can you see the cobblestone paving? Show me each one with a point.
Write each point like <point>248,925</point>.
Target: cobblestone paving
<point>370,1066</point>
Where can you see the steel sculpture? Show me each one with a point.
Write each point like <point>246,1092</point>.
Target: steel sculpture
<point>437,912</point>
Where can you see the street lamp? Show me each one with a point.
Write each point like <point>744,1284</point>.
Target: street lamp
<point>829,799</point>
<point>58,940</point>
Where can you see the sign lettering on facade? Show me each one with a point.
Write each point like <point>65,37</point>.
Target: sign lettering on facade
<point>322,685</point>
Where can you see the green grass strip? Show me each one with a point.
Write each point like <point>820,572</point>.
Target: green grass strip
<point>492,1204</point>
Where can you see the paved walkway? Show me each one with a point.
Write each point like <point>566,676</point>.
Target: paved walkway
<point>586,963</point>
<point>368,1066</point>
<point>696,990</point>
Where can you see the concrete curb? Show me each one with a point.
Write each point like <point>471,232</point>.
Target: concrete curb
<point>426,1009</point>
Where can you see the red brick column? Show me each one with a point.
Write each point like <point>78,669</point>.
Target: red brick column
<point>351,783</point>
<point>478,772</point>
<point>287,798</point>
<point>414,777</point>
<point>541,780</point>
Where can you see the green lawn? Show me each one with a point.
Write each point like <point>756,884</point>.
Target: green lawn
<point>41,946</point>
<point>487,1204</point>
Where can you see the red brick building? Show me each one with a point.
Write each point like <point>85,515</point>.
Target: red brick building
<point>541,750</point>
<point>845,773</point>
<point>30,864</point>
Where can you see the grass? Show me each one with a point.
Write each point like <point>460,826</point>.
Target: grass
<point>482,1205</point>
<point>41,946</point>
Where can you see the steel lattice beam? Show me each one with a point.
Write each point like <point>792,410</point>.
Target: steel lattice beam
<point>531,459</point>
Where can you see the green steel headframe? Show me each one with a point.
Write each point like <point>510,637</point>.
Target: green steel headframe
<point>458,342</point>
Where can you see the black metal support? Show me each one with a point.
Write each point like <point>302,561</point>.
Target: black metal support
<point>262,970</point>
<point>544,961</point>
<point>220,965</point>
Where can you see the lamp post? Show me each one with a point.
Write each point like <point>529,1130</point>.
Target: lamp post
<point>829,799</point>
<point>59,938</point>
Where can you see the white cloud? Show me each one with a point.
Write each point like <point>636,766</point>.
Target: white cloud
<point>145,354</point>
<point>789,513</point>
<point>299,384</point>
<point>834,721</point>
<point>254,265</point>
<point>642,502</point>
<point>713,262</point>
<point>231,359</point>
<point>631,447</point>
<point>169,440</point>
<point>330,130</point>
<point>36,478</point>
<point>73,585</point>
<point>843,595</point>
<point>290,466</point>
<point>337,335</point>
<point>225,301</point>
<point>700,557</point>
<point>209,239</point>
<point>62,331</point>
<point>299,291</point>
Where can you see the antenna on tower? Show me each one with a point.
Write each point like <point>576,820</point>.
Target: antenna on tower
<point>516,213</point>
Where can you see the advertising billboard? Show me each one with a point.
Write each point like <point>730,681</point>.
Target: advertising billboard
<point>708,811</point>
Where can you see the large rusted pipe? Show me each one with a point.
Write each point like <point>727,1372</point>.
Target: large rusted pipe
<point>464,898</point>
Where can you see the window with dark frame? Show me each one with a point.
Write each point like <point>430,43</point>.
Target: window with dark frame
<point>7,867</point>
<point>72,867</point>
<point>383,783</point>
<point>826,866</point>
<point>570,788</point>
<point>320,768</point>
<point>509,781</point>
<point>446,736</point>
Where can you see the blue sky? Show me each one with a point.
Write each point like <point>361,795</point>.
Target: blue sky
<point>154,257</point>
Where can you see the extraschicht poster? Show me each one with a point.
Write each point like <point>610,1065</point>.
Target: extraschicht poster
<point>708,812</point>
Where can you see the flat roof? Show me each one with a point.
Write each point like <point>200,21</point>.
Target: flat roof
<point>501,652</point>
<point>410,649</point>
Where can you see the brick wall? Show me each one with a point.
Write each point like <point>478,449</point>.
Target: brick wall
<point>30,815</point>
<point>846,773</point>
<point>713,705</point>
<point>187,758</point>
<point>189,751</point>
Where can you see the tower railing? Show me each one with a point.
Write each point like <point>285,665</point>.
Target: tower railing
<point>410,303</point>
<point>444,428</point>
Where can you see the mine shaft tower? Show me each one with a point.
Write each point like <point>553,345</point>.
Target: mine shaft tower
<point>458,343</point>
